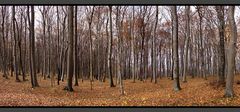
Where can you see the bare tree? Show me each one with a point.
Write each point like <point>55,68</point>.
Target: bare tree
<point>32,48</point>
<point>70,51</point>
<point>75,48</point>
<point>186,43</point>
<point>91,45</point>
<point>133,45</point>
<point>15,45</point>
<point>4,59</point>
<point>154,49</point>
<point>231,51</point>
<point>176,85</point>
<point>110,50</point>
<point>221,26</point>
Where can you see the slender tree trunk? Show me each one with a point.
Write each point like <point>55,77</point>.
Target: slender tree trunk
<point>49,47</point>
<point>58,50</point>
<point>75,50</point>
<point>4,43</point>
<point>44,44</point>
<point>91,50</point>
<point>110,50</point>
<point>186,44</point>
<point>15,45</point>
<point>132,46</point>
<point>220,14</point>
<point>154,49</point>
<point>25,49</point>
<point>231,51</point>
<point>176,85</point>
<point>70,51</point>
<point>32,49</point>
<point>120,50</point>
<point>20,36</point>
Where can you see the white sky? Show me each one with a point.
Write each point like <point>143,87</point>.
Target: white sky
<point>163,12</point>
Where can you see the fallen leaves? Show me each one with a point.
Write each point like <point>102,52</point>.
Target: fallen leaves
<point>196,92</point>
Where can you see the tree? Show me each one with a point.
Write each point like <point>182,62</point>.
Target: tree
<point>70,51</point>
<point>200,43</point>
<point>4,59</point>
<point>43,12</point>
<point>32,48</point>
<point>154,49</point>
<point>91,44</point>
<point>110,50</point>
<point>19,43</point>
<point>75,49</point>
<point>15,45</point>
<point>119,49</point>
<point>58,48</point>
<point>221,26</point>
<point>231,51</point>
<point>133,45</point>
<point>186,43</point>
<point>176,85</point>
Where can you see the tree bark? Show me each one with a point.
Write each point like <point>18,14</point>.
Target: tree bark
<point>186,43</point>
<point>221,26</point>
<point>15,46</point>
<point>70,51</point>
<point>75,50</point>
<point>32,48</point>
<point>110,50</point>
<point>176,85</point>
<point>4,59</point>
<point>231,51</point>
<point>154,49</point>
<point>90,48</point>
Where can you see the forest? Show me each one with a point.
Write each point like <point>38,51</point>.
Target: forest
<point>119,55</point>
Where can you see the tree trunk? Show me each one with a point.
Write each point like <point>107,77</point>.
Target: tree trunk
<point>91,49</point>
<point>110,50</point>
<point>186,43</point>
<point>75,50</point>
<point>176,85</point>
<point>221,26</point>
<point>132,46</point>
<point>4,64</point>
<point>15,45</point>
<point>154,49</point>
<point>231,51</point>
<point>32,49</point>
<point>44,43</point>
<point>70,51</point>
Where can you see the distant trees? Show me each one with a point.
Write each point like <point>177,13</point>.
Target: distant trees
<point>117,43</point>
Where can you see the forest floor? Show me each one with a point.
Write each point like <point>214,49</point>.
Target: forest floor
<point>196,92</point>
